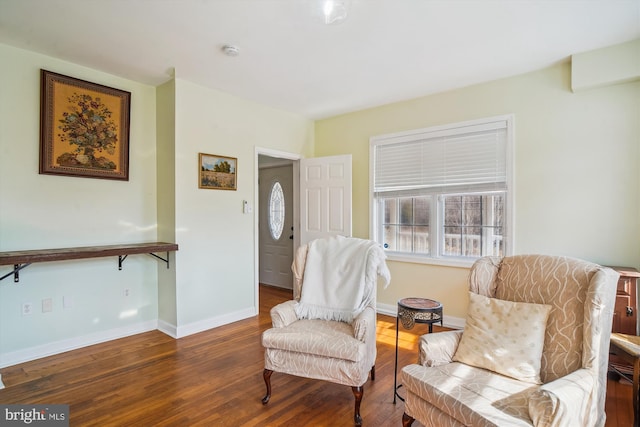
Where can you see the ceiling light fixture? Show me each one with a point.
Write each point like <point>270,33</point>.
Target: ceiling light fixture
<point>335,11</point>
<point>230,50</point>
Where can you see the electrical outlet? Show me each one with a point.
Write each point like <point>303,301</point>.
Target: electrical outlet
<point>47,305</point>
<point>67,302</point>
<point>126,292</point>
<point>27,308</point>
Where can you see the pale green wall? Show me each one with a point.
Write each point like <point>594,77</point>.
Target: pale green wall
<point>166,181</point>
<point>577,179</point>
<point>215,263</point>
<point>45,211</point>
<point>606,66</point>
<point>212,277</point>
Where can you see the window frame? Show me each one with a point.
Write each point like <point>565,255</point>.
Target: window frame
<point>270,209</point>
<point>376,230</point>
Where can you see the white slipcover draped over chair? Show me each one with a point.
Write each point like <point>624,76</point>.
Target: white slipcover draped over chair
<point>328,331</point>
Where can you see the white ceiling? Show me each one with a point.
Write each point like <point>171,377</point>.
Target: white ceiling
<point>386,50</point>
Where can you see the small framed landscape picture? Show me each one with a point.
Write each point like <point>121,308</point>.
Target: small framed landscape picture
<point>217,172</point>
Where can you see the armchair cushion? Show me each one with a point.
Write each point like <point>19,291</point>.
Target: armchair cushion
<point>471,395</point>
<point>317,337</point>
<point>284,314</point>
<point>504,336</point>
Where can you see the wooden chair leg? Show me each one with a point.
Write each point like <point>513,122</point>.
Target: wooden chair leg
<point>407,420</point>
<point>357,392</point>
<point>373,373</point>
<point>266,374</point>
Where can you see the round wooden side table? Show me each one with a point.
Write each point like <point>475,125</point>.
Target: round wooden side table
<point>412,311</point>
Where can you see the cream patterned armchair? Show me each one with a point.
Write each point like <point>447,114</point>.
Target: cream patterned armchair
<point>328,331</point>
<point>534,350</point>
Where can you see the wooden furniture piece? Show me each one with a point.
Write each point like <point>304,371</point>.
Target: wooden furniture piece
<point>625,313</point>
<point>23,259</point>
<point>412,311</point>
<point>627,347</point>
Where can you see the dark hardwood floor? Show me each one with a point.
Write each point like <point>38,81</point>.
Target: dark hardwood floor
<point>214,378</point>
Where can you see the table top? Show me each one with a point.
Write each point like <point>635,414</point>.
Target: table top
<point>420,304</point>
<point>628,343</point>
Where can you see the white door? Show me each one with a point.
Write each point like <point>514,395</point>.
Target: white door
<point>276,226</point>
<point>325,197</point>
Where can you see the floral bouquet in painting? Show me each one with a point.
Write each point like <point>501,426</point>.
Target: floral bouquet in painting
<point>89,127</point>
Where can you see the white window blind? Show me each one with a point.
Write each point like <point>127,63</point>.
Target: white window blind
<point>453,159</point>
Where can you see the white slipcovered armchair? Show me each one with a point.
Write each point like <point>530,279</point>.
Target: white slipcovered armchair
<point>534,350</point>
<point>328,331</point>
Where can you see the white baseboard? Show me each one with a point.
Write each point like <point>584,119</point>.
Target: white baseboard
<point>168,328</point>
<point>454,322</point>
<point>204,325</point>
<point>388,309</point>
<point>213,322</point>
<point>49,349</point>
<point>447,321</point>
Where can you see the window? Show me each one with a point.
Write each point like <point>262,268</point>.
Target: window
<point>473,225</point>
<point>443,194</point>
<point>406,223</point>
<point>276,211</point>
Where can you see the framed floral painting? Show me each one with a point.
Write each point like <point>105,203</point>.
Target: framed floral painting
<point>84,128</point>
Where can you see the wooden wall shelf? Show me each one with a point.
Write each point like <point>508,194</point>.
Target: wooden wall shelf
<point>22,259</point>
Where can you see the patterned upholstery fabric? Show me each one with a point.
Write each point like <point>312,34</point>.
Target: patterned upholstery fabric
<point>438,349</point>
<point>574,358</point>
<point>471,395</point>
<point>327,350</point>
<point>283,314</point>
<point>429,415</point>
<point>564,396</point>
<point>337,371</point>
<point>559,282</point>
<point>504,337</point>
<point>322,349</point>
<point>318,337</point>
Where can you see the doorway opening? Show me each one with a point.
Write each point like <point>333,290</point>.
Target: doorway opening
<point>276,218</point>
<point>321,207</point>
<point>275,223</point>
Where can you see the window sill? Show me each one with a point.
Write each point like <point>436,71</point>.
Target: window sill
<point>446,262</point>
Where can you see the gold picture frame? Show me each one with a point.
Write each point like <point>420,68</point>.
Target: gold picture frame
<point>84,128</point>
<point>217,172</point>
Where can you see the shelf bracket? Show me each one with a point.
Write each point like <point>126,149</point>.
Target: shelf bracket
<point>15,272</point>
<point>162,259</point>
<point>121,259</point>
